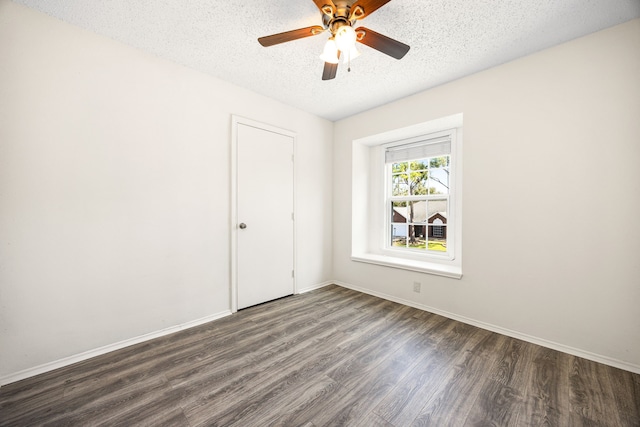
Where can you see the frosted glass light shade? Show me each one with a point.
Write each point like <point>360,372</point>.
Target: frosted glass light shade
<point>330,52</point>
<point>345,38</point>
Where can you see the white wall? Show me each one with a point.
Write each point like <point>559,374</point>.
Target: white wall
<point>551,197</point>
<point>114,191</point>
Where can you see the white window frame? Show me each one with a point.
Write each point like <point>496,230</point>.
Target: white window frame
<point>370,211</point>
<point>423,140</point>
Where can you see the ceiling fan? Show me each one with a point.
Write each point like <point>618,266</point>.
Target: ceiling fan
<point>339,18</point>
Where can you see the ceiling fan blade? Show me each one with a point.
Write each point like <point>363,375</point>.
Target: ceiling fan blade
<point>322,3</point>
<point>368,6</point>
<point>330,70</point>
<point>380,42</point>
<point>288,36</point>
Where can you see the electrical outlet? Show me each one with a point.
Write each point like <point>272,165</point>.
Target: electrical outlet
<point>416,287</point>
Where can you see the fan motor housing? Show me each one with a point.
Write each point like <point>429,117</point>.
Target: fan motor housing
<point>334,24</point>
<point>339,16</point>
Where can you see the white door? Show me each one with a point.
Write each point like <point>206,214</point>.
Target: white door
<point>264,215</point>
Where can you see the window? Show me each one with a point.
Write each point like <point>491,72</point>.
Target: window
<point>406,189</point>
<point>418,181</point>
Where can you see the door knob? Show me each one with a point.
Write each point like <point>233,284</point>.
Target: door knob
<point>242,225</point>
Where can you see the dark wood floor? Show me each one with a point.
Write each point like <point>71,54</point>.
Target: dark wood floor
<point>329,357</point>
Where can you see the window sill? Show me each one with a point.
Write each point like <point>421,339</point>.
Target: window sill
<point>452,271</point>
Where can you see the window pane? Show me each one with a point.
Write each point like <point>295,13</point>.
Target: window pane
<point>399,167</point>
<point>437,238</point>
<point>399,224</point>
<point>421,164</point>
<point>416,237</point>
<point>399,185</point>
<point>399,235</point>
<point>436,207</point>
<point>439,162</point>
<point>399,212</point>
<point>439,181</point>
<point>418,180</point>
<point>417,211</point>
<point>399,241</point>
<point>437,230</point>
<point>417,217</point>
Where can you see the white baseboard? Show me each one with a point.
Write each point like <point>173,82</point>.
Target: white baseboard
<point>508,332</point>
<point>314,287</point>
<point>41,369</point>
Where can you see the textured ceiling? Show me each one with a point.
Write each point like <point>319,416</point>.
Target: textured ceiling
<point>449,39</point>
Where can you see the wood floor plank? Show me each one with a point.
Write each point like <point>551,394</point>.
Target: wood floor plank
<point>547,395</point>
<point>214,392</point>
<point>218,352</point>
<point>207,372</point>
<point>591,394</point>
<point>403,404</point>
<point>373,420</point>
<point>242,401</point>
<point>454,397</point>
<point>502,399</point>
<point>160,412</point>
<point>497,405</point>
<point>627,395</point>
<point>332,356</point>
<point>26,408</point>
<point>347,407</point>
<point>278,412</point>
<point>96,407</point>
<point>351,373</point>
<point>374,371</point>
<point>149,355</point>
<point>270,366</point>
<point>514,357</point>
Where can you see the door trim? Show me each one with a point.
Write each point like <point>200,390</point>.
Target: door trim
<point>233,220</point>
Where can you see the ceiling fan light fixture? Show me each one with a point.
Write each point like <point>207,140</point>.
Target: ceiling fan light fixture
<point>330,52</point>
<point>345,38</point>
<point>339,18</point>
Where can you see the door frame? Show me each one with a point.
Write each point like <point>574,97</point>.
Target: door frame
<point>233,216</point>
